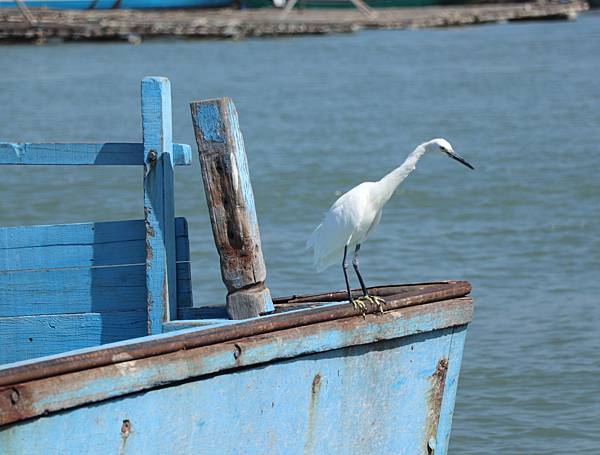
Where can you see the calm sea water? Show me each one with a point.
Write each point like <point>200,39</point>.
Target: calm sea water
<point>321,114</point>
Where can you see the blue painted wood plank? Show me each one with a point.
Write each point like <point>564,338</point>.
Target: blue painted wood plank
<point>57,275</point>
<point>80,290</point>
<point>372,398</point>
<point>159,205</point>
<point>103,243</point>
<point>83,290</point>
<point>204,312</point>
<point>110,153</point>
<point>74,255</point>
<point>21,237</point>
<point>26,337</point>
<point>185,298</point>
<point>182,247</point>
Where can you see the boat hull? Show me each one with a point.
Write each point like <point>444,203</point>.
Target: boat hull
<point>379,384</point>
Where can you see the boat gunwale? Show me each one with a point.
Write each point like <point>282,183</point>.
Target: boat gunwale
<point>47,396</point>
<point>140,348</point>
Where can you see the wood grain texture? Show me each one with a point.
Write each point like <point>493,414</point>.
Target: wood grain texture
<point>159,203</point>
<point>79,285</point>
<point>231,206</point>
<point>78,268</point>
<point>110,153</point>
<point>73,290</point>
<point>25,337</point>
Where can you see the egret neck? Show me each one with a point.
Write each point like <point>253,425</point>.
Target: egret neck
<point>385,188</point>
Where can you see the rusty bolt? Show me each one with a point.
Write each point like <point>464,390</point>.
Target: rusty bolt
<point>152,156</point>
<point>14,396</point>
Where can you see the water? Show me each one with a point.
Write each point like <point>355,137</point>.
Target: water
<point>320,114</point>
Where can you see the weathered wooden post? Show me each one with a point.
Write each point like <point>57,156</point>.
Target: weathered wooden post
<point>231,206</point>
<point>159,205</point>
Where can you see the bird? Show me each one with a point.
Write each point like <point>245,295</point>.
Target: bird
<point>352,218</point>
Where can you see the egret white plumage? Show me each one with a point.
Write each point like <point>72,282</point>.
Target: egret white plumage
<point>355,214</point>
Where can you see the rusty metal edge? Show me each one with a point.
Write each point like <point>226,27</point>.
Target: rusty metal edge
<point>336,296</point>
<point>207,336</point>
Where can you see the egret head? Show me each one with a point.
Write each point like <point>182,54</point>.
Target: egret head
<point>442,145</point>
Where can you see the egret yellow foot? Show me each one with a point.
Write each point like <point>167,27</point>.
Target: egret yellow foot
<point>377,301</point>
<point>359,304</point>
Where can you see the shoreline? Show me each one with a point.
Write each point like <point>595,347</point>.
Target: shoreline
<point>137,25</point>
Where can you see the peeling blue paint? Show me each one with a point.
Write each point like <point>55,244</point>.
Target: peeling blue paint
<point>210,121</point>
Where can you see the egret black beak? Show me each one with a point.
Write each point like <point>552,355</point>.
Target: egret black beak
<point>460,159</point>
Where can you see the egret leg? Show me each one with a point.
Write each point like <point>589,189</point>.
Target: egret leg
<point>355,265</point>
<point>358,304</point>
<point>377,301</point>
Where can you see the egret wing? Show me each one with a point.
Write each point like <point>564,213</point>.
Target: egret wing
<point>334,233</point>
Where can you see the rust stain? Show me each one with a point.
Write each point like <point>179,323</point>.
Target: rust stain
<point>125,431</point>
<point>316,385</point>
<point>15,404</point>
<point>434,404</point>
<point>149,234</point>
<point>165,295</point>
<point>237,353</point>
<point>309,445</point>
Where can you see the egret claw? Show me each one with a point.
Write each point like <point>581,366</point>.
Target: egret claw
<point>377,301</point>
<point>360,306</point>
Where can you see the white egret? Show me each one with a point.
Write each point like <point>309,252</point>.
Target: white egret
<point>355,214</point>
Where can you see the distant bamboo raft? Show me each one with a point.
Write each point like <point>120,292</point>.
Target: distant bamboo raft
<point>135,25</point>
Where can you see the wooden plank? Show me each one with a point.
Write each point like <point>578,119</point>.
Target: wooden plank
<point>104,243</point>
<point>110,153</point>
<point>66,363</point>
<point>27,337</point>
<point>91,385</point>
<point>231,206</point>
<point>216,312</point>
<point>76,287</point>
<point>185,298</point>
<point>159,205</point>
<point>182,246</point>
<point>22,237</point>
<point>80,290</point>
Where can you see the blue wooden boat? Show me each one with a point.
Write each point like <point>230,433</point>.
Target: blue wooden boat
<point>103,352</point>
<point>117,4</point>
